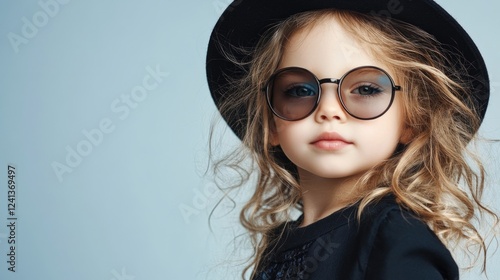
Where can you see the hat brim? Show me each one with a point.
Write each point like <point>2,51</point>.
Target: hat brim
<point>244,22</point>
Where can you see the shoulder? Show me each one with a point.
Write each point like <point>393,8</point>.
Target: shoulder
<point>401,246</point>
<point>386,217</point>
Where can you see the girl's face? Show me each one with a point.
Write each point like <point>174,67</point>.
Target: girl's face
<point>329,143</point>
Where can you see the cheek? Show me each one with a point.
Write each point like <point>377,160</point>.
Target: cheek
<point>280,125</point>
<point>382,136</point>
<point>283,134</point>
<point>280,130</point>
<point>377,145</point>
<point>289,135</point>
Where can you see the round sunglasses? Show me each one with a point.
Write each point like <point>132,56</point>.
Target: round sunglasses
<point>365,92</point>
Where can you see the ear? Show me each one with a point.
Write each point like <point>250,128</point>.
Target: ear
<point>273,135</point>
<point>273,139</point>
<point>406,135</point>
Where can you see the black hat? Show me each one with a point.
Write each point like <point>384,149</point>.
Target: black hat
<point>245,21</point>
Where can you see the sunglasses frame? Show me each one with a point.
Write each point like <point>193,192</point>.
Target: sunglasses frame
<point>319,82</point>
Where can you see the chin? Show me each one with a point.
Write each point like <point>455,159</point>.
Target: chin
<point>333,174</point>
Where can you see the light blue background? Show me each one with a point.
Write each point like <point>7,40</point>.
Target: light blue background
<point>117,215</point>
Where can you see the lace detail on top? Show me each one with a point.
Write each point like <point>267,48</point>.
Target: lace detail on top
<point>288,265</point>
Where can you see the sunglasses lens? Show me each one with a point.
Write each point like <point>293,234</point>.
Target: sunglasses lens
<point>366,93</point>
<point>293,93</point>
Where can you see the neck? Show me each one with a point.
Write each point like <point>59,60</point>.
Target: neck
<point>323,196</point>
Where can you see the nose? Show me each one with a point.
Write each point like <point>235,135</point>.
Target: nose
<point>329,107</point>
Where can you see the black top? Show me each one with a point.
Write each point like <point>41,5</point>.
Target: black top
<point>389,243</point>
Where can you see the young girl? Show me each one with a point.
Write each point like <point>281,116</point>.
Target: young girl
<point>358,114</point>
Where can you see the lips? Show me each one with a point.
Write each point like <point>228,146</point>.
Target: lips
<point>330,141</point>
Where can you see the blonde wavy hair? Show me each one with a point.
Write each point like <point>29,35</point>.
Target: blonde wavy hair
<point>434,175</point>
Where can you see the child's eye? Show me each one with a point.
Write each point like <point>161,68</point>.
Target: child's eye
<point>300,91</point>
<point>367,90</point>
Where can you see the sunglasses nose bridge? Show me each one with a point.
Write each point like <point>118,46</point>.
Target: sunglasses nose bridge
<point>330,104</point>
<point>329,81</point>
